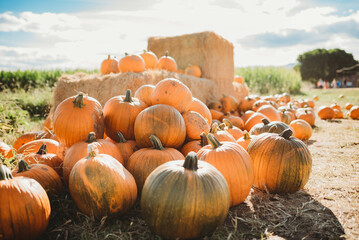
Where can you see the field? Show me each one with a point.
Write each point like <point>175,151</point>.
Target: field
<point>327,208</point>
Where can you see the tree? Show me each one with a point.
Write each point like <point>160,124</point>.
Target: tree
<point>322,63</point>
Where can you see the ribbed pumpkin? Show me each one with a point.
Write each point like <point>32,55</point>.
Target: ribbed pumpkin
<point>220,134</point>
<point>44,157</point>
<point>253,120</point>
<point>245,140</point>
<point>79,150</point>
<point>101,186</point>
<point>195,125</point>
<point>266,126</point>
<point>325,112</point>
<point>270,112</point>
<point>31,136</point>
<point>25,207</point>
<point>109,65</point>
<point>163,121</point>
<point>246,104</point>
<point>233,130</point>
<point>144,94</point>
<point>194,146</point>
<point>131,63</point>
<point>301,129</point>
<point>75,117</point>
<point>185,199</point>
<point>43,174</point>
<point>307,116</point>
<point>235,165</point>
<point>120,113</point>
<point>282,163</point>
<point>193,70</point>
<point>285,117</point>
<point>354,112</point>
<point>174,93</point>
<point>167,63</point>
<point>145,160</point>
<point>198,106</point>
<point>150,59</point>
<point>127,147</point>
<point>6,151</point>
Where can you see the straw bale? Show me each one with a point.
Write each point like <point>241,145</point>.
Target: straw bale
<point>103,87</point>
<point>211,52</point>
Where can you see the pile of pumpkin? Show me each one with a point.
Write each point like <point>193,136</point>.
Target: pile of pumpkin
<point>334,111</point>
<point>135,147</point>
<point>146,60</point>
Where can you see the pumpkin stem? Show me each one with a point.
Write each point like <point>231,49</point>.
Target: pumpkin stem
<point>144,51</point>
<point>191,161</point>
<point>23,166</point>
<point>222,126</point>
<point>91,137</point>
<point>128,97</point>
<point>214,128</point>
<point>286,133</point>
<point>166,54</point>
<point>42,149</point>
<point>156,143</point>
<point>246,135</point>
<point>126,54</point>
<point>5,173</point>
<point>227,122</point>
<point>121,138</point>
<point>79,100</point>
<point>213,141</point>
<point>204,139</point>
<point>92,150</point>
<point>108,57</point>
<point>265,121</point>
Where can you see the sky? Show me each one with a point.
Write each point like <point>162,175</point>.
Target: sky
<point>68,34</point>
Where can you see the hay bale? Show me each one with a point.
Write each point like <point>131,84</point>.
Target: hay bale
<point>211,52</point>
<point>103,87</point>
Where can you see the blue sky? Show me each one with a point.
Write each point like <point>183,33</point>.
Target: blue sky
<point>80,33</point>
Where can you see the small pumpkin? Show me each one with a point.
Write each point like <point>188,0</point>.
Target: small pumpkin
<point>253,120</point>
<point>354,112</point>
<point>185,199</point>
<point>348,106</point>
<point>338,114</point>
<point>109,65</point>
<point>259,103</point>
<point>335,106</point>
<point>195,125</point>
<point>167,63</point>
<point>220,134</point>
<point>247,115</point>
<point>307,116</point>
<point>235,120</point>
<point>233,130</point>
<point>31,136</point>
<point>150,59</point>
<point>238,79</point>
<point>301,129</point>
<point>131,63</point>
<point>245,140</point>
<point>229,103</point>
<point>216,115</point>
<point>326,112</point>
<point>195,145</point>
<point>127,147</point>
<point>193,70</point>
<point>52,146</point>
<point>267,126</point>
<point>285,117</point>
<point>246,104</point>
<point>144,94</point>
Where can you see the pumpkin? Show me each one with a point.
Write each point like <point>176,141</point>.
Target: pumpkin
<point>253,120</point>
<point>6,151</point>
<point>348,106</point>
<point>101,186</point>
<point>174,93</point>
<point>338,114</point>
<point>145,160</point>
<point>234,163</point>
<point>259,103</point>
<point>246,104</point>
<point>131,63</point>
<point>315,98</point>
<point>109,65</point>
<point>185,199</point>
<point>31,136</point>
<point>52,146</point>
<point>266,126</point>
<point>335,106</point>
<point>195,125</point>
<point>29,212</point>
<point>235,120</point>
<point>326,112</point>
<point>285,97</point>
<point>43,174</point>
<point>167,63</point>
<point>220,134</point>
<point>307,116</point>
<point>247,115</point>
<point>229,103</point>
<point>245,140</point>
<point>144,94</point>
<point>270,112</point>
<point>194,146</point>
<point>198,106</point>
<point>285,117</point>
<point>44,157</point>
<point>215,105</point>
<point>233,130</point>
<point>281,163</point>
<point>150,59</point>
<point>238,79</point>
<point>127,147</point>
<point>120,113</point>
<point>75,117</point>
<point>216,115</point>
<point>301,129</point>
<point>354,112</point>
<point>79,150</point>
<point>193,70</point>
<point>163,121</point>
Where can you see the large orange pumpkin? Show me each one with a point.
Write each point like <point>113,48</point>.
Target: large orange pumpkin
<point>270,112</point>
<point>195,125</point>
<point>167,63</point>
<point>172,92</point>
<point>25,207</point>
<point>301,129</point>
<point>253,120</point>
<point>163,121</point>
<point>75,117</point>
<point>150,59</point>
<point>31,136</point>
<point>120,113</point>
<point>109,65</point>
<point>144,94</point>
<point>235,165</point>
<point>326,112</point>
<point>131,63</point>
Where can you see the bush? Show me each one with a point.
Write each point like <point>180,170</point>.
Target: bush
<point>271,80</point>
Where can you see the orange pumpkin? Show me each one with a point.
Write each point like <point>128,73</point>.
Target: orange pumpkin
<point>238,79</point>
<point>259,104</point>
<point>354,112</point>
<point>52,146</point>
<point>229,103</point>
<point>163,121</point>
<point>167,63</point>
<point>219,133</point>
<point>195,125</point>
<point>235,120</point>
<point>48,124</point>
<point>326,112</point>
<point>144,94</point>
<point>246,104</point>
<point>193,70</point>
<point>109,66</point>
<point>215,105</point>
<point>150,59</point>
<point>285,117</point>
<point>247,115</point>
<point>31,136</point>
<point>198,106</point>
<point>235,165</point>
<point>233,130</point>
<point>172,92</point>
<point>245,140</point>
<point>301,129</point>
<point>270,112</point>
<point>285,97</point>
<point>338,114</point>
<point>6,151</point>
<point>335,106</point>
<point>348,106</point>
<point>307,116</point>
<point>216,115</point>
<point>253,120</point>
<point>120,113</point>
<point>127,147</point>
<point>131,63</point>
<point>194,146</point>
<point>145,160</point>
<point>75,117</point>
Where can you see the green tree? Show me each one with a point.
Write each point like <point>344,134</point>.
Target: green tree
<point>322,63</point>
